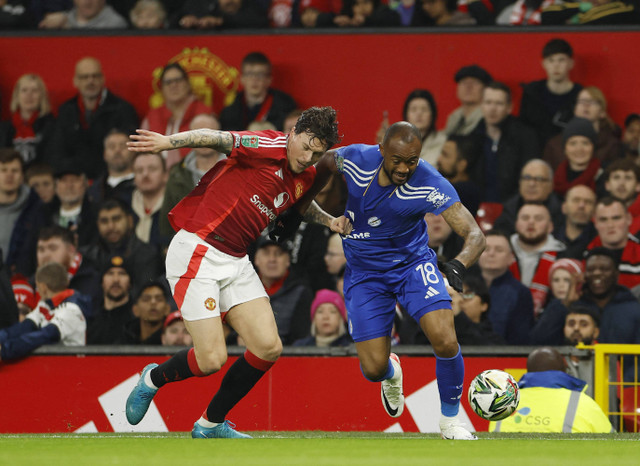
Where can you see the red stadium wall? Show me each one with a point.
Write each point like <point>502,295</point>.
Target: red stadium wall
<point>360,75</point>
<point>88,393</point>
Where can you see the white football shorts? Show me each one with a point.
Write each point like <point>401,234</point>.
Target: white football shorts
<point>206,282</point>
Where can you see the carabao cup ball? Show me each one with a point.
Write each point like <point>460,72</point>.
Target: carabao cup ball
<point>494,395</point>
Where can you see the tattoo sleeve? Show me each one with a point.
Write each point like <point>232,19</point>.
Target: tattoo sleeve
<point>315,214</point>
<point>221,141</point>
<point>463,223</point>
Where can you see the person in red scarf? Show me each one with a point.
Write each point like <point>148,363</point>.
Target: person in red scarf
<point>179,108</point>
<point>31,124</point>
<point>580,166</point>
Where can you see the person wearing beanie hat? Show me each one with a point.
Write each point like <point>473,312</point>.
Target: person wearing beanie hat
<point>26,297</point>
<point>565,278</point>
<point>580,166</point>
<point>328,321</point>
<point>471,81</point>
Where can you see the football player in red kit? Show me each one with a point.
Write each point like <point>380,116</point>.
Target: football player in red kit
<point>210,275</point>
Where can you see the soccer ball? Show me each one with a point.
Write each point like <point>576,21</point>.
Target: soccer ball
<point>494,395</point>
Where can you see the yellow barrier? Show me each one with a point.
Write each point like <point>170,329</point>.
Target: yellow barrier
<point>625,409</point>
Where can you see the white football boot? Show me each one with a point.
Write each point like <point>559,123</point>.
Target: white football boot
<point>391,390</point>
<point>453,429</point>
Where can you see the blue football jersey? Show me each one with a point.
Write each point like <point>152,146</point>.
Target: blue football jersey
<point>388,226</point>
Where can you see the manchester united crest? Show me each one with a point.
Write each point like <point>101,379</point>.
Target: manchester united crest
<point>299,189</point>
<point>210,304</point>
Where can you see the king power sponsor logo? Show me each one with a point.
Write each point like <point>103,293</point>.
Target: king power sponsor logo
<point>255,200</point>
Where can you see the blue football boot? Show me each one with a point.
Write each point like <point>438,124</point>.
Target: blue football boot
<point>140,398</point>
<point>224,430</point>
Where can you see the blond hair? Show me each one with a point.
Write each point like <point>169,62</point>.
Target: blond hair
<point>45,104</point>
<point>597,95</point>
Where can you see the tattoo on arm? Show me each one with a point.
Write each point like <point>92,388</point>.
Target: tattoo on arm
<point>315,214</point>
<point>221,141</point>
<point>463,223</point>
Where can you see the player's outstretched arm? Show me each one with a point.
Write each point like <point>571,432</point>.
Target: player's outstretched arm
<point>149,141</point>
<point>462,222</point>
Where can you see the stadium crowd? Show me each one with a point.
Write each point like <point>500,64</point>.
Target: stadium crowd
<point>555,189</point>
<point>235,14</point>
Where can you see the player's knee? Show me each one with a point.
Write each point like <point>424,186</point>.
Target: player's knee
<point>374,371</point>
<point>273,350</point>
<point>446,347</point>
<point>212,362</point>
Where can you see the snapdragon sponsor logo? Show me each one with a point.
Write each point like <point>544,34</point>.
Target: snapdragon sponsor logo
<point>255,200</point>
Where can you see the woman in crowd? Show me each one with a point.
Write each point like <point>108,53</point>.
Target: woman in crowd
<point>179,108</point>
<point>328,321</point>
<point>580,166</point>
<point>565,277</point>
<point>31,124</point>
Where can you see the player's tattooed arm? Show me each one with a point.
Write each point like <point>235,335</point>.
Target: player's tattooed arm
<point>462,222</point>
<point>222,141</point>
<point>315,214</point>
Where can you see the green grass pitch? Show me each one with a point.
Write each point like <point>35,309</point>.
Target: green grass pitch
<point>319,448</point>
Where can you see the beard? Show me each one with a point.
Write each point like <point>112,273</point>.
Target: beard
<point>532,241</point>
<point>116,295</point>
<point>448,174</point>
<point>576,338</point>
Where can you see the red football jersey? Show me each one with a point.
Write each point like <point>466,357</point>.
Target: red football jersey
<point>240,196</point>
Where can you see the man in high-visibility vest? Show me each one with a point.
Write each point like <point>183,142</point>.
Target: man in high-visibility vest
<point>553,401</point>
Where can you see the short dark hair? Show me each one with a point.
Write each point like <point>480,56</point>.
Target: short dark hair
<point>577,308</point>
<point>174,66</point>
<point>610,200</point>
<point>501,233</point>
<point>499,86</point>
<point>38,169</point>
<point>557,46</point>
<point>56,231</point>
<point>111,203</point>
<point>256,58</point>
<point>477,284</point>
<point>625,165</point>
<point>467,148</point>
<point>630,118</point>
<point>53,275</point>
<point>602,251</point>
<point>153,284</point>
<point>321,122</point>
<point>426,95</point>
<point>9,154</point>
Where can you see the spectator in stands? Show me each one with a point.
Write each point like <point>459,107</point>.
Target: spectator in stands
<point>184,176</point>
<point>612,221</point>
<point>548,393</point>
<point>150,180</point>
<point>150,309</point>
<point>619,310</point>
<point>471,81</point>
<point>174,332</point>
<point>576,230</point>
<point>261,126</point>
<point>582,325</point>
<point>511,311</point>
<point>257,101</point>
<point>523,13</point>
<point>31,126</point>
<point>334,256</point>
<point>40,8</point>
<point>507,144</point>
<point>40,178</point>
<point>58,317</point>
<point>85,120</point>
<point>25,296</point>
<point>318,13</point>
<point>117,238</point>
<point>148,14</point>
<point>118,180</point>
<point>536,250</point>
<point>591,13</point>
<point>366,13</point>
<point>114,310</point>
<point>420,110</point>
<point>471,313</point>
<point>57,244</point>
<point>71,207</point>
<point>223,14</point>
<point>86,14</point>
<point>534,186</point>
<point>445,243</point>
<point>580,166</point>
<point>180,107</point>
<point>14,15</point>
<point>446,13</point>
<point>22,215</point>
<point>590,105</point>
<point>328,321</point>
<point>566,276</point>
<point>456,160</point>
<point>547,105</point>
<point>622,181</point>
<point>290,295</point>
<point>9,313</point>
<point>631,136</point>
<point>291,119</point>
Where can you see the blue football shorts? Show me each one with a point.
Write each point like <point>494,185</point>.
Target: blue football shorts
<point>371,297</point>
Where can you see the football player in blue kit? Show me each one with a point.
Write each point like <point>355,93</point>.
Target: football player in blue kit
<point>390,189</point>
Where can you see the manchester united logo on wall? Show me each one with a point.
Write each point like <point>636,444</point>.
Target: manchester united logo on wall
<point>213,81</point>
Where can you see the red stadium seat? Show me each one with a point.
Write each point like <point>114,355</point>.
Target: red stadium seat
<point>631,404</point>
<point>487,213</point>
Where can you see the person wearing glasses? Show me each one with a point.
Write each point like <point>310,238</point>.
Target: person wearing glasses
<point>257,101</point>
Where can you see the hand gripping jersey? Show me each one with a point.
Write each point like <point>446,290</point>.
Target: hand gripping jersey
<point>240,196</point>
<point>388,226</point>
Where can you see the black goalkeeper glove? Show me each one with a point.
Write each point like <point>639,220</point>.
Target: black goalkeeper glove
<point>454,271</point>
<point>285,225</point>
